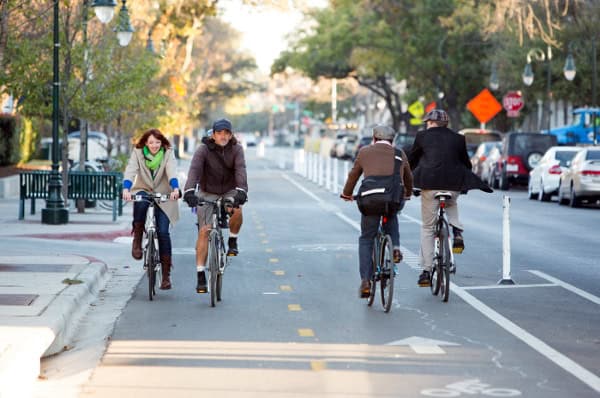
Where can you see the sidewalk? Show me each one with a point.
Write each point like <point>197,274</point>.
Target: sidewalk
<point>44,289</point>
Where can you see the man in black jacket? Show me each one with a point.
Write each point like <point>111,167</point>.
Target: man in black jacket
<point>218,169</point>
<point>439,161</point>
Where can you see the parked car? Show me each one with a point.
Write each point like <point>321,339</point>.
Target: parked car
<point>544,178</point>
<point>488,165</point>
<point>520,153</point>
<point>344,147</point>
<point>585,128</point>
<point>336,141</point>
<point>362,141</point>
<point>481,154</point>
<point>474,137</point>
<point>404,142</point>
<point>581,181</point>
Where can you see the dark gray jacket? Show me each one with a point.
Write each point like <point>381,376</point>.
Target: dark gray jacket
<point>217,169</point>
<point>439,160</point>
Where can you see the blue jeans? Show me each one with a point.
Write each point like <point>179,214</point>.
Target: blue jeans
<point>162,223</point>
<point>368,230</point>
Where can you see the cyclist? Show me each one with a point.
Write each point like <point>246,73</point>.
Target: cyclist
<point>152,168</point>
<point>440,162</point>
<point>377,159</point>
<point>218,168</point>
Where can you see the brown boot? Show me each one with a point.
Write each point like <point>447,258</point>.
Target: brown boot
<point>136,247</point>
<point>165,262</point>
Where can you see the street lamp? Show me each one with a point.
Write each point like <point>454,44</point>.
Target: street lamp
<point>494,81</point>
<point>55,211</point>
<point>124,29</point>
<point>104,9</point>
<point>539,55</point>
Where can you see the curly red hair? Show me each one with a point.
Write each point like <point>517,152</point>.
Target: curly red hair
<point>156,133</point>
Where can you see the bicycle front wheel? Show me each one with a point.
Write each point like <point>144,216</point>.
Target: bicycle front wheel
<point>213,265</point>
<point>149,262</point>
<point>387,273</point>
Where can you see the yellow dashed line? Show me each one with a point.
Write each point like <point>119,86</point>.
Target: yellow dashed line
<point>264,241</point>
<point>279,272</point>
<point>306,333</point>
<point>259,227</point>
<point>285,288</point>
<point>269,250</point>
<point>262,235</point>
<point>273,260</point>
<point>294,307</point>
<point>318,365</point>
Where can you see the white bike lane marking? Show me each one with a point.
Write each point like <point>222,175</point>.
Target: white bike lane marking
<point>470,387</point>
<point>567,364</point>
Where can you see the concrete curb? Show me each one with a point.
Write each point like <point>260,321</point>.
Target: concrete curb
<point>22,347</point>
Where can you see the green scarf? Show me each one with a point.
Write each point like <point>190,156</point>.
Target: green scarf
<point>153,161</point>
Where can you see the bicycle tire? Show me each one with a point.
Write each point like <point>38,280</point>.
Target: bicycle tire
<point>387,274</point>
<point>149,257</point>
<point>375,258</point>
<point>445,263</point>
<point>435,267</point>
<point>213,266</point>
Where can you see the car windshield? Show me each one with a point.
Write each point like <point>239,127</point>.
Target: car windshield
<point>476,138</point>
<point>564,156</point>
<point>525,143</point>
<point>593,155</point>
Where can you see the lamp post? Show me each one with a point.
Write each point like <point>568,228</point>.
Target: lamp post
<point>55,211</point>
<point>124,29</point>
<point>539,55</point>
<point>569,71</point>
<point>494,81</point>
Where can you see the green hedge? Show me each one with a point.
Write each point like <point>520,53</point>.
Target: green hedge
<point>10,152</point>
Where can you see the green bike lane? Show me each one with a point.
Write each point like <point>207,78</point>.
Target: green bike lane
<point>291,324</point>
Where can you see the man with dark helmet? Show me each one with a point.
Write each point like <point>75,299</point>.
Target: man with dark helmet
<point>218,169</point>
<point>439,161</point>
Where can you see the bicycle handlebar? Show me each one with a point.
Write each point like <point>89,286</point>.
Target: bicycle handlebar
<point>152,197</point>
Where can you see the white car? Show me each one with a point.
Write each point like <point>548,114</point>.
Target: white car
<point>581,181</point>
<point>545,177</point>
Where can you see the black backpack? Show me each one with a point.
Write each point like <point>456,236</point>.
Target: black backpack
<point>382,195</point>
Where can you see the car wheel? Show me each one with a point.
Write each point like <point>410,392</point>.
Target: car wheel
<point>543,196</point>
<point>533,159</point>
<point>561,200</point>
<point>530,194</point>
<point>503,183</point>
<point>573,199</point>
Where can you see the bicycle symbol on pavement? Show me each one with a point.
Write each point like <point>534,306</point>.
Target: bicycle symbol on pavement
<point>470,387</point>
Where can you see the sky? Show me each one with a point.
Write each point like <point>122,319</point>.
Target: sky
<point>263,29</point>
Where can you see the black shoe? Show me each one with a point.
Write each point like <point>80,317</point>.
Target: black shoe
<point>364,291</point>
<point>424,279</point>
<point>458,244</point>
<point>201,287</point>
<point>397,256</point>
<point>233,248</point>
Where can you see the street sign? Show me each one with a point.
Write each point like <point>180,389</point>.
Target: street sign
<point>430,106</point>
<point>416,109</point>
<point>484,106</point>
<point>513,103</point>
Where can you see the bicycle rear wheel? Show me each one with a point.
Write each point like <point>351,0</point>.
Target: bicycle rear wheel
<point>149,263</point>
<point>213,266</point>
<point>436,269</point>
<point>445,264</point>
<point>387,273</point>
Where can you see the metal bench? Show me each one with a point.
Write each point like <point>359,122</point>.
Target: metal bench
<point>105,185</point>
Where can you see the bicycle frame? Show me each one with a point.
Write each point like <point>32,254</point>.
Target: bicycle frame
<point>443,258</point>
<point>383,268</point>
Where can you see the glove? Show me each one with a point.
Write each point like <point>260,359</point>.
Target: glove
<point>240,197</point>
<point>190,198</point>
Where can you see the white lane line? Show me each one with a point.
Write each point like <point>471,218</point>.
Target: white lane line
<point>582,293</point>
<point>348,220</point>
<point>559,359</point>
<point>300,187</point>
<point>487,287</point>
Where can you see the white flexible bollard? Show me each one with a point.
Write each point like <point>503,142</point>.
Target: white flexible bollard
<point>302,159</point>
<point>346,168</point>
<point>335,176</point>
<point>320,169</point>
<point>328,173</point>
<point>309,166</point>
<point>315,178</point>
<point>260,151</point>
<point>506,278</point>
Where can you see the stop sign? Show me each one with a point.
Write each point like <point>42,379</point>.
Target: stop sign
<point>512,103</point>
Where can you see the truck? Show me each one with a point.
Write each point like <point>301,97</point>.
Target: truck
<point>584,130</point>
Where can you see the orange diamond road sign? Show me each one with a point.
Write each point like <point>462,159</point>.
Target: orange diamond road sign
<point>484,106</point>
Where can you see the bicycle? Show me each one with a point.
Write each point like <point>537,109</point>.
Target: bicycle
<point>217,259</point>
<point>383,268</point>
<point>443,257</point>
<point>151,257</point>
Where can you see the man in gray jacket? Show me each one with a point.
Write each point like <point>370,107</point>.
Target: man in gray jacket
<point>218,169</point>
